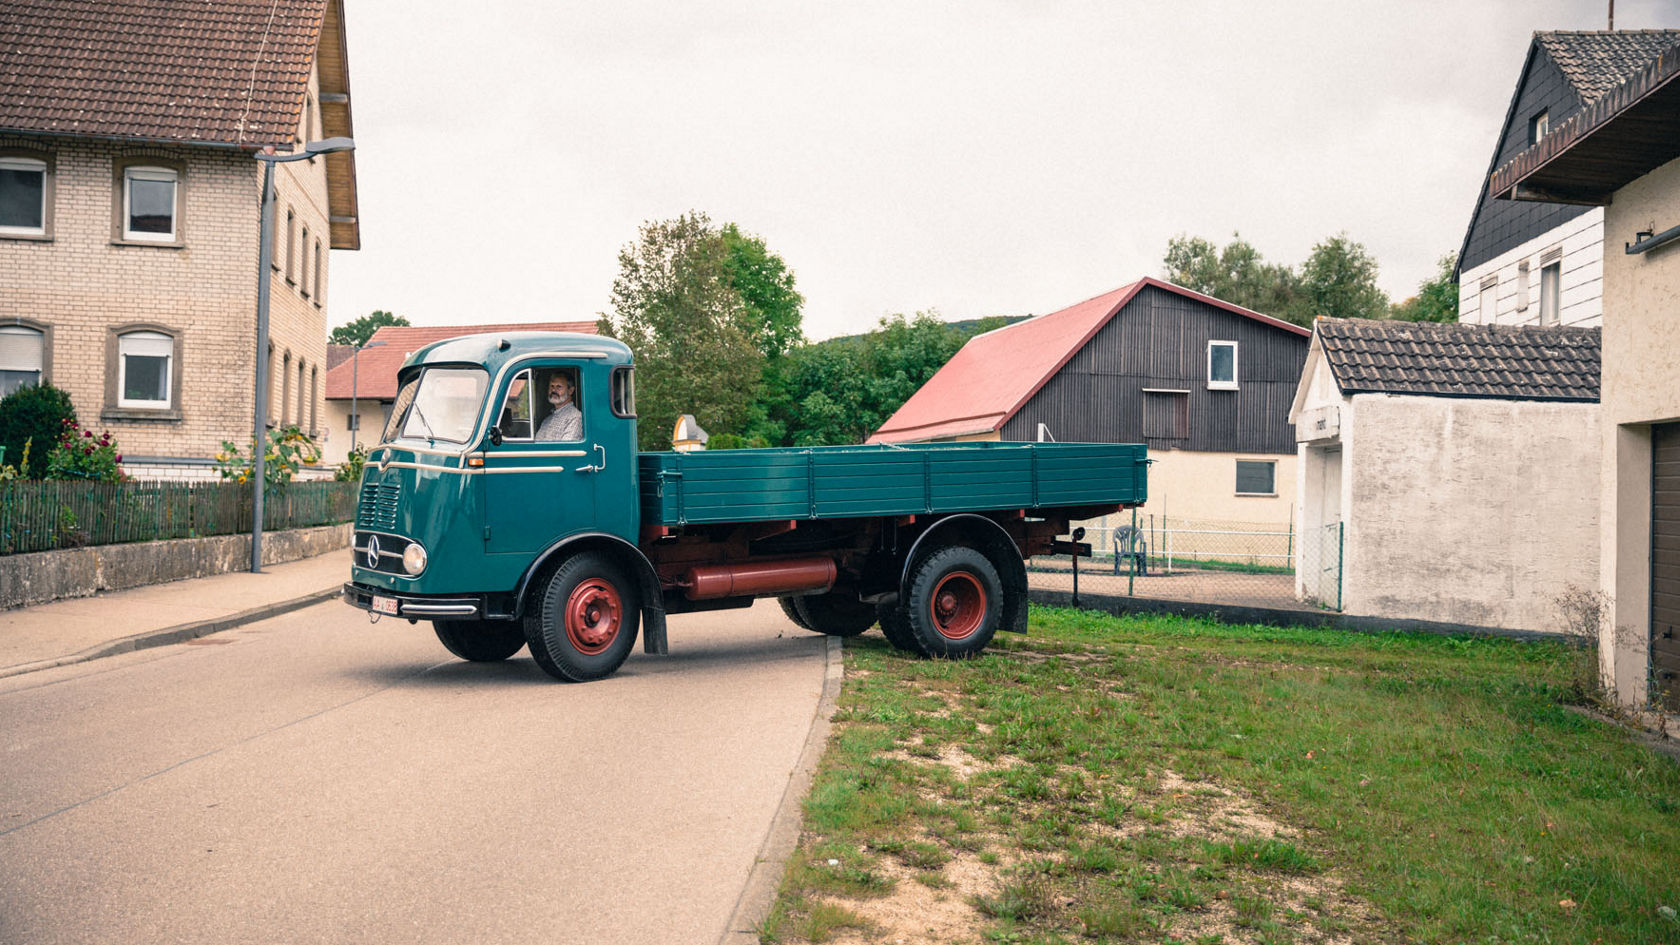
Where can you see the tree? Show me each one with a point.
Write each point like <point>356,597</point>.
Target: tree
<point>1236,274</point>
<point>37,415</point>
<point>766,287</point>
<point>1436,299</point>
<point>675,306</point>
<point>359,331</point>
<point>1339,280</point>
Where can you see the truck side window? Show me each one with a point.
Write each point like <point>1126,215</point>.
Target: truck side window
<point>515,418</point>
<point>562,419</point>
<point>624,392</point>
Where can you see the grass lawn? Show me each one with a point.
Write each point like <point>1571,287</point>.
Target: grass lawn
<point>1160,779</point>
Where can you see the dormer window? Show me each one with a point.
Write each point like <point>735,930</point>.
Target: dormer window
<point>1222,365</point>
<point>1537,127</point>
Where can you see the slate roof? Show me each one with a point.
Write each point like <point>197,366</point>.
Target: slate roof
<point>1450,360</point>
<point>373,373</point>
<point>229,72</point>
<point>1596,62</point>
<point>994,375</point>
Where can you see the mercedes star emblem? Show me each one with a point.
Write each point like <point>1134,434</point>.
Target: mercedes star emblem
<point>373,551</point>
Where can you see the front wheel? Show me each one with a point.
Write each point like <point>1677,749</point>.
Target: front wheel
<point>956,603</point>
<point>481,641</point>
<point>585,623</point>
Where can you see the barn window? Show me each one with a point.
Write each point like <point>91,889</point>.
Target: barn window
<point>1166,414</point>
<point>1222,365</point>
<point>1256,477</point>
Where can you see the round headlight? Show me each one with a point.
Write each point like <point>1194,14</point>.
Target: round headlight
<point>414,559</point>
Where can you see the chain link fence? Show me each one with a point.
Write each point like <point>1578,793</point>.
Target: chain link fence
<point>1169,558</point>
<point>41,516</point>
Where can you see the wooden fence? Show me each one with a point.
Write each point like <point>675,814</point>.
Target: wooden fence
<point>41,516</point>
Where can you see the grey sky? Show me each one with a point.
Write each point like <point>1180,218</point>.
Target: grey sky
<point>975,158</point>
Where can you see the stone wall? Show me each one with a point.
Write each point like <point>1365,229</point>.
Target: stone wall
<point>44,576</point>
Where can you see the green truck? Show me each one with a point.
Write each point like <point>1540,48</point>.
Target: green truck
<point>507,504</point>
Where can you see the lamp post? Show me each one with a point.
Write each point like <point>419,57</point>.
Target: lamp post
<point>355,405</point>
<point>265,253</point>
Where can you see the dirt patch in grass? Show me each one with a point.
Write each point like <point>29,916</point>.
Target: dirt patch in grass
<point>925,907</point>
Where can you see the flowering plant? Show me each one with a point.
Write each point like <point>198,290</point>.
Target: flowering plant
<point>81,455</point>
<point>288,449</point>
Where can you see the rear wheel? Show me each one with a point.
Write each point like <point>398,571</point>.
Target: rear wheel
<point>585,622</point>
<point>956,603</point>
<point>895,626</point>
<point>838,615</point>
<point>481,641</point>
<point>792,612</point>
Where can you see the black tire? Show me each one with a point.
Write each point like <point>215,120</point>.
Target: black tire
<point>955,604</point>
<point>836,614</point>
<point>584,624</point>
<point>481,641</point>
<point>793,612</point>
<point>895,626</point>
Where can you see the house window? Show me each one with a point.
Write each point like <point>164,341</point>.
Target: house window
<point>149,203</point>
<point>1522,286</point>
<point>1166,414</point>
<point>1549,276</point>
<point>144,369</point>
<point>303,265</point>
<point>1256,477</point>
<point>1486,301</point>
<point>314,400</point>
<point>300,393</point>
<point>21,357</point>
<point>291,246</point>
<point>23,196</point>
<point>1222,365</point>
<point>1538,126</point>
<point>319,292</point>
<point>286,389</point>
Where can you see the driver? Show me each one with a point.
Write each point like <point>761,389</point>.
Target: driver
<point>566,422</point>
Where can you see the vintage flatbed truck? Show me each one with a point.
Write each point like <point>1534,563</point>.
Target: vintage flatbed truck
<point>468,517</point>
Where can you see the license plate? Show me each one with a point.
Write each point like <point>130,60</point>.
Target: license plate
<point>385,605</point>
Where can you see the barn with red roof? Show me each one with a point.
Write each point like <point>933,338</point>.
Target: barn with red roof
<point>1206,384</point>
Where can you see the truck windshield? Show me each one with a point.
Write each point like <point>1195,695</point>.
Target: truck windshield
<point>441,404</point>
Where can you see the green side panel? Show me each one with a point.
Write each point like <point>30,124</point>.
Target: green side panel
<point>860,481</point>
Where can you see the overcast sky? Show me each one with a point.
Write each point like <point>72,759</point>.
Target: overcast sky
<point>976,158</point>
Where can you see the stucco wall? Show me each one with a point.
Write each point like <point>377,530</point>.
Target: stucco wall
<point>1192,485</point>
<point>1470,511</point>
<point>1641,385</point>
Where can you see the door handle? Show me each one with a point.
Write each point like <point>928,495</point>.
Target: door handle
<point>596,467</point>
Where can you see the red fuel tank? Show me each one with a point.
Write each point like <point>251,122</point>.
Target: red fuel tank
<point>758,579</point>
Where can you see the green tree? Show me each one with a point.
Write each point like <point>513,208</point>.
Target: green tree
<point>675,306</point>
<point>38,415</point>
<point>1436,299</point>
<point>1237,274</point>
<point>1339,280</point>
<point>766,287</point>
<point>359,331</point>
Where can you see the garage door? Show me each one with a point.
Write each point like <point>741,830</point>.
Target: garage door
<point>1665,561</point>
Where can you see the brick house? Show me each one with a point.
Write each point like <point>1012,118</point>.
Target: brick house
<point>129,213</point>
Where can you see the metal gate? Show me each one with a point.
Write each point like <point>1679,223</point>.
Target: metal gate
<point>1665,563</point>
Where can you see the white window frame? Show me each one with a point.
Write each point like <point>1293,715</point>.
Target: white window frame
<point>1262,462</point>
<point>1551,293</point>
<point>146,339</point>
<point>1236,374</point>
<point>150,172</point>
<point>28,164</point>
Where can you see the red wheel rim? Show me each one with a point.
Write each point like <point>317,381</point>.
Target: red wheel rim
<point>594,614</point>
<point>958,606</point>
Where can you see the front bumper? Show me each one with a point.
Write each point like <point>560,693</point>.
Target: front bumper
<point>415,606</point>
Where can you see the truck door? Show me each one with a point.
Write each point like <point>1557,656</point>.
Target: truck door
<point>539,484</point>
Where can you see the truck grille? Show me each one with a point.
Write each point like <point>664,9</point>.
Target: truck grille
<point>387,552</point>
<point>376,509</point>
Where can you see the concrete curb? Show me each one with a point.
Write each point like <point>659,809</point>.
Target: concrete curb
<point>771,862</point>
<point>175,634</point>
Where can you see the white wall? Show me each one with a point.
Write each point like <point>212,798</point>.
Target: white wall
<point>1470,511</point>
<point>1581,281</point>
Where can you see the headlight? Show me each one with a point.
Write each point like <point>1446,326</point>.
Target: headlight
<point>414,559</point>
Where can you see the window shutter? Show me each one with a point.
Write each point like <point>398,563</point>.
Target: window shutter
<point>20,349</point>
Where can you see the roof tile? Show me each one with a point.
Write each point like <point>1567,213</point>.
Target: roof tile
<point>1449,360</point>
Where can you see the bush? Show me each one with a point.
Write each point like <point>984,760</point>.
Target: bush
<point>37,413</point>
<point>289,449</point>
<point>81,455</point>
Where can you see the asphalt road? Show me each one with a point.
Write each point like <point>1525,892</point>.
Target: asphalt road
<point>312,778</point>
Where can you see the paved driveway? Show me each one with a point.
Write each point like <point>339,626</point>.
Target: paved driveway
<point>313,778</point>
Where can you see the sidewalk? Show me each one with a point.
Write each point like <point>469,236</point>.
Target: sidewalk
<point>85,628</point>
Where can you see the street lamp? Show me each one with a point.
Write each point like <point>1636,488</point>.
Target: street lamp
<point>355,412</point>
<point>265,253</point>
